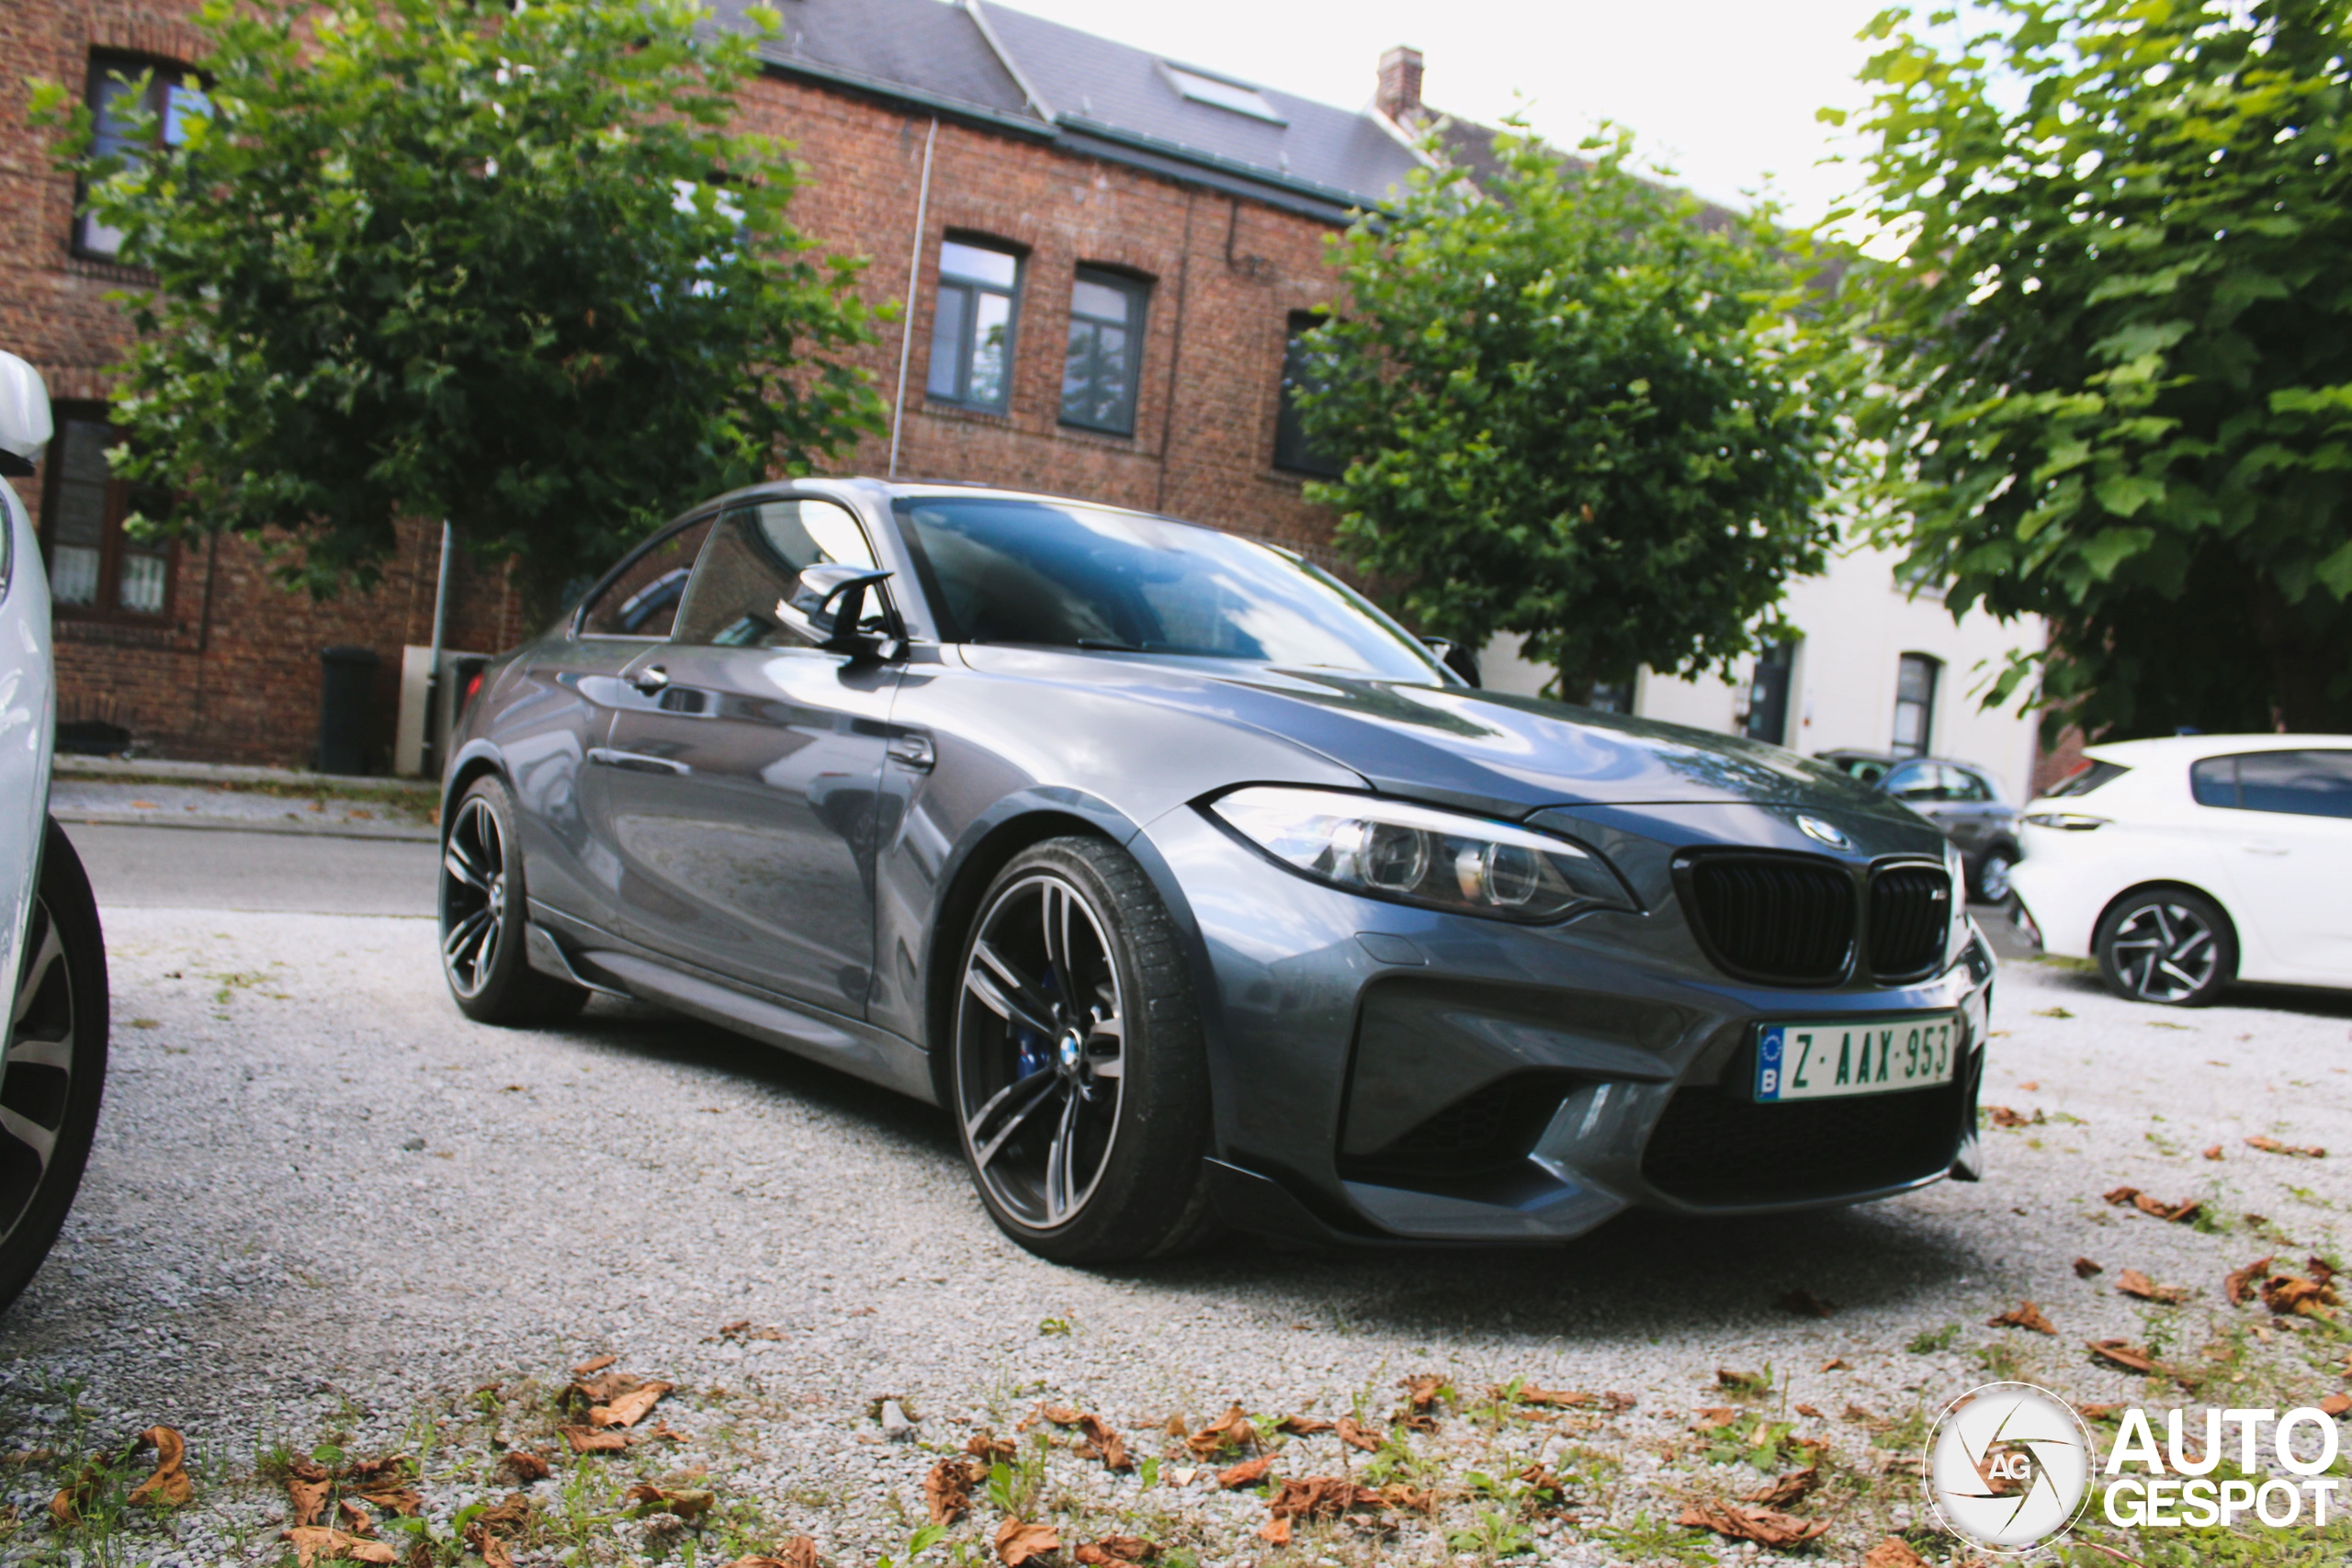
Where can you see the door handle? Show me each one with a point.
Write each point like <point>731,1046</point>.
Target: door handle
<point>2265,849</point>
<point>635,762</point>
<point>913,751</point>
<point>650,678</point>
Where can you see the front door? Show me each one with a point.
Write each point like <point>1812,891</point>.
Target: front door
<point>742,783</point>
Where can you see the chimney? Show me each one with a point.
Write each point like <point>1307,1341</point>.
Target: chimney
<point>1400,85</point>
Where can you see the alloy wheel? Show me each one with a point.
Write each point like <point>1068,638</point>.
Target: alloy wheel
<point>1993,882</point>
<point>2164,953</point>
<point>36,1074</point>
<point>1040,1043</point>
<point>473,896</point>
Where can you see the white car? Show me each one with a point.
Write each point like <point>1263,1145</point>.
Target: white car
<point>2183,864</point>
<point>50,947</point>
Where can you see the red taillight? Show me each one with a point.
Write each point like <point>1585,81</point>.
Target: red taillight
<point>472,689</point>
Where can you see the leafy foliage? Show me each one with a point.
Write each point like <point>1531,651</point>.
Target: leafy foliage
<point>1574,411</point>
<point>2114,359</point>
<point>508,266</point>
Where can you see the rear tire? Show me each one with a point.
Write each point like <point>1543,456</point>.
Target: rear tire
<point>485,916</point>
<point>55,1066</point>
<point>2167,945</point>
<point>1079,1078</point>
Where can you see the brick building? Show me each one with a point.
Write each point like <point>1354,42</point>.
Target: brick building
<point>1103,257</point>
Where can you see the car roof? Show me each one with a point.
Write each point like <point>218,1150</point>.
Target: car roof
<point>2189,748</point>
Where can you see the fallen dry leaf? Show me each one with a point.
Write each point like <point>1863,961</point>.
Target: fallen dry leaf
<point>1710,1416</point>
<point>588,1440</point>
<point>1303,1426</point>
<point>741,1332</point>
<point>76,1495</point>
<point>1355,1436</point>
<point>1810,1413</point>
<point>354,1518</point>
<point>2172,1212</point>
<point>660,1432</point>
<point>2273,1147</point>
<point>486,1545</point>
<point>1246,1472</point>
<point>1230,1430</point>
<point>1412,1498</point>
<point>1422,1391</point>
<point>1276,1532</point>
<point>511,1512</point>
<point>687,1503</point>
<point>1059,1414</point>
<point>629,1409</point>
<point>2214,1152</point>
<point>2336,1405</point>
<point>2002,1116</point>
<point>1762,1526</point>
<point>2131,1283</point>
<point>2119,1196</point>
<point>308,1499</point>
<point>2025,1314</point>
<point>524,1465</point>
<point>1805,1304</point>
<point>1893,1553</point>
<point>799,1553</point>
<point>169,1487</point>
<point>1556,1398</point>
<point>2085,1268</point>
<point>985,1444</point>
<point>1321,1497</point>
<point>1118,1549</point>
<point>593,1364</point>
<point>2136,1359</point>
<point>1837,1364</point>
<point>1103,1443</point>
<point>2288,1296</point>
<point>1793,1487</point>
<point>947,1490</point>
<point>1017,1543</point>
<point>314,1543</point>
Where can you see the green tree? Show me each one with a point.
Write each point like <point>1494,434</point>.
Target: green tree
<point>2114,358</point>
<point>1574,409</point>
<point>509,265</point>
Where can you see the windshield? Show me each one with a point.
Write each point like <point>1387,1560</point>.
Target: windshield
<point>1001,569</point>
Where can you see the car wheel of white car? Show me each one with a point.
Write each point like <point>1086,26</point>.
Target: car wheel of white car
<point>2167,945</point>
<point>56,1064</point>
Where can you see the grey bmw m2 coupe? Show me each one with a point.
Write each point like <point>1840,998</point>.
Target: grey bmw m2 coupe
<point>1198,891</point>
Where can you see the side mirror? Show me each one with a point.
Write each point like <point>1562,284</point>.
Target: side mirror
<point>1457,658</point>
<point>827,603</point>
<point>25,426</point>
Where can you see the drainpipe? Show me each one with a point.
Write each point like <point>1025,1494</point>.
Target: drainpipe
<point>914,276</point>
<point>432,674</point>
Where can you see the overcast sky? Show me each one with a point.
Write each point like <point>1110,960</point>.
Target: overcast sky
<point>1723,90</point>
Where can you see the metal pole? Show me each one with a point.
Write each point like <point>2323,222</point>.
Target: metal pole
<point>914,276</point>
<point>432,675</point>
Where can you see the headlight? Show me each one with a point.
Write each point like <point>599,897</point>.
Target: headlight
<point>1417,854</point>
<point>2067,821</point>
<point>1956,942</point>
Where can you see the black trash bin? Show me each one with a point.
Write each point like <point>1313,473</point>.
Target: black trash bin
<point>347,689</point>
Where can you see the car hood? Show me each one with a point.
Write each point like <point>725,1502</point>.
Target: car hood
<point>1484,750</point>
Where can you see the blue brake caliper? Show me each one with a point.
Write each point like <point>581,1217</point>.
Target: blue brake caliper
<point>1036,1051</point>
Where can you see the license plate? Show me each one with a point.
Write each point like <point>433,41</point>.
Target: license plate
<point>1826,1060</point>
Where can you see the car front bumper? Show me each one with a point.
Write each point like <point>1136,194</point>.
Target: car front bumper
<point>1389,1073</point>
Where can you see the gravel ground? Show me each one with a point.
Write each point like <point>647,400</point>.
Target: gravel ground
<point>323,1206</point>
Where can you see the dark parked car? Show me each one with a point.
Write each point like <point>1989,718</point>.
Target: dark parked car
<point>1195,889</point>
<point>1961,798</point>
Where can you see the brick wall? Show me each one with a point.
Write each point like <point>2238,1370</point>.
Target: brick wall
<point>234,675</point>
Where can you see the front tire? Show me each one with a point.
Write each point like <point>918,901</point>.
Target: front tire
<point>1079,1076</point>
<point>55,1066</point>
<point>2168,946</point>
<point>485,913</point>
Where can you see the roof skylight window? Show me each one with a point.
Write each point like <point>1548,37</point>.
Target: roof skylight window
<point>1220,92</point>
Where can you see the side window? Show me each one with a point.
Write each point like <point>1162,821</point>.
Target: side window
<point>128,120</point>
<point>1965,785</point>
<point>971,328</point>
<point>1293,447</point>
<point>2301,784</point>
<point>1106,358</point>
<point>1916,780</point>
<point>641,598</point>
<point>754,559</point>
<point>2213,781</point>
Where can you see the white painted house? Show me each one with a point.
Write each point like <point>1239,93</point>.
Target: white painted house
<point>1876,670</point>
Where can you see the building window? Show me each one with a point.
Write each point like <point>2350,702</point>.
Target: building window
<point>135,106</point>
<point>971,329</point>
<point>95,569</point>
<point>1294,449</point>
<point>1106,359</point>
<point>1915,704</point>
<point>1767,695</point>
